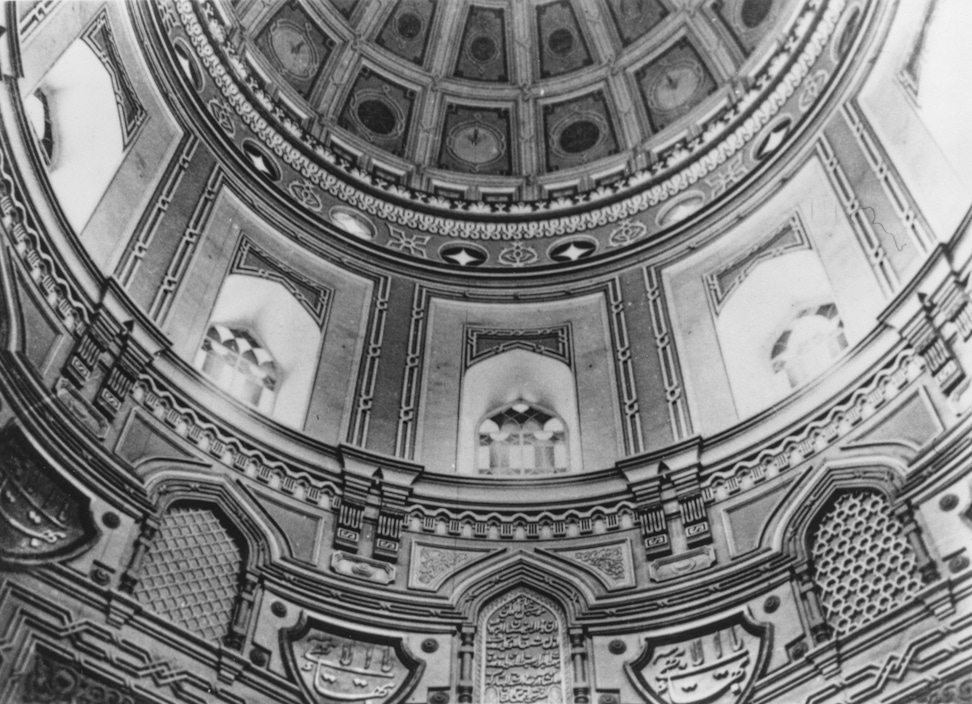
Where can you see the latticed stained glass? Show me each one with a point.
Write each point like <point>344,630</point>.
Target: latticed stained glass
<point>863,564</point>
<point>522,439</point>
<point>234,359</point>
<point>191,572</point>
<point>808,347</point>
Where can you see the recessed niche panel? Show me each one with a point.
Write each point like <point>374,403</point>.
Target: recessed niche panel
<point>476,140</point>
<point>296,47</point>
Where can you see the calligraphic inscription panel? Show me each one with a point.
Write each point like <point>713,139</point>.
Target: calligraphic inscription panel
<point>337,666</point>
<point>41,516</point>
<point>716,666</point>
<point>521,652</point>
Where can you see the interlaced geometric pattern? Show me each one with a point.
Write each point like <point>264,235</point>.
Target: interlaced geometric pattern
<point>191,572</point>
<point>863,565</point>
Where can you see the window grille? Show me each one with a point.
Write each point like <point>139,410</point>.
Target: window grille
<point>813,340</point>
<point>239,365</point>
<point>521,439</point>
<point>863,565</point>
<point>191,573</point>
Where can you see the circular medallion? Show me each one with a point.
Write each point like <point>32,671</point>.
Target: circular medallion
<point>352,223</point>
<point>476,144</point>
<point>579,136</point>
<point>463,255</point>
<point>278,609</point>
<point>409,25</point>
<point>771,604</point>
<point>560,41</point>
<point>754,12</point>
<point>111,520</point>
<point>948,502</point>
<point>377,116</point>
<point>482,49</point>
<point>430,645</point>
<point>617,647</point>
<point>293,49</point>
<point>680,208</point>
<point>676,86</point>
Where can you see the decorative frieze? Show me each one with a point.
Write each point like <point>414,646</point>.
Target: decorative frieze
<point>482,343</point>
<point>816,435</point>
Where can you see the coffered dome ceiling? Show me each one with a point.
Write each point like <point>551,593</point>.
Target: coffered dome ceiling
<point>506,121</point>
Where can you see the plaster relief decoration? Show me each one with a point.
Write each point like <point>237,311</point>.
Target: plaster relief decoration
<point>335,665</point>
<point>610,562</point>
<point>296,46</point>
<point>682,564</point>
<point>431,565</point>
<point>522,651</point>
<point>715,664</point>
<point>362,568</point>
<point>482,343</point>
<point>42,517</point>
<point>100,38</point>
<point>722,282</point>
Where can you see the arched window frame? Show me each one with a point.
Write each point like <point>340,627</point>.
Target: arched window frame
<point>559,446</point>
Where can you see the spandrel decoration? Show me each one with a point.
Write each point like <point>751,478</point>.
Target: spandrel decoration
<point>717,664</point>
<point>333,665</point>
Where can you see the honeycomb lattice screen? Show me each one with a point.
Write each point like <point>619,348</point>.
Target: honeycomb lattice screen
<point>191,572</point>
<point>863,564</point>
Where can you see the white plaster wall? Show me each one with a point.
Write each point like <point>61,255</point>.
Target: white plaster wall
<point>927,139</point>
<point>714,401</point>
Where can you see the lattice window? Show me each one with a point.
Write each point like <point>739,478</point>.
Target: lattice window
<point>522,439</point>
<point>192,572</point>
<point>239,364</point>
<point>863,565</point>
<point>813,340</point>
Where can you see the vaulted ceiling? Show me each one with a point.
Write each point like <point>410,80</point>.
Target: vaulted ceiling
<point>507,100</point>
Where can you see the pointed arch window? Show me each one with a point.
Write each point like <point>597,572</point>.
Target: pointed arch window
<point>808,346</point>
<point>522,439</point>
<point>240,365</point>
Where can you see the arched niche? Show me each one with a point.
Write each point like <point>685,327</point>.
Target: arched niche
<point>283,327</point>
<point>76,102</point>
<point>510,377</point>
<point>766,304</point>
